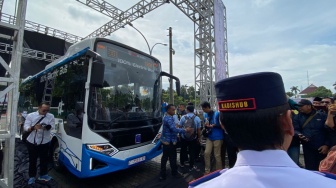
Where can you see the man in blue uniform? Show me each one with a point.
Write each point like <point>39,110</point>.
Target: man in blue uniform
<point>255,113</point>
<point>169,140</point>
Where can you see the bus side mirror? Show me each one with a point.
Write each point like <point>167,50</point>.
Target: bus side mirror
<point>177,81</point>
<point>97,74</point>
<point>178,87</point>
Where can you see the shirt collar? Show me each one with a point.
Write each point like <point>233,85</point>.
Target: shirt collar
<point>275,158</point>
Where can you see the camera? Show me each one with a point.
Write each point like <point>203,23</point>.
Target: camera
<point>44,124</point>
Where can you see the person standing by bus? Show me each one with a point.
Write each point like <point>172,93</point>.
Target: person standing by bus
<point>215,138</point>
<point>189,142</point>
<point>169,140</point>
<point>39,124</point>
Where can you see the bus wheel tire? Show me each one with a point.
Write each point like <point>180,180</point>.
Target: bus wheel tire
<point>21,164</point>
<point>58,166</point>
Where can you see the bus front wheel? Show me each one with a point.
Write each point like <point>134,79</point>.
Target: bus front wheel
<point>58,166</point>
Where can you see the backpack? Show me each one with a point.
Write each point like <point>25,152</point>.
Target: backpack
<point>189,122</point>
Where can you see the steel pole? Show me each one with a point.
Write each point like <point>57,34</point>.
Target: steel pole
<point>171,91</point>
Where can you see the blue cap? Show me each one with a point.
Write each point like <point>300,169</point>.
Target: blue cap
<point>251,92</point>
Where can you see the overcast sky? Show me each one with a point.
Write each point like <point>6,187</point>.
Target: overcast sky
<point>290,37</point>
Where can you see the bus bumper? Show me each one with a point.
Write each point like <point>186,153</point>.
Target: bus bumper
<point>95,164</point>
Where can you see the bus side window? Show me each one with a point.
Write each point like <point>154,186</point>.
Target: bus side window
<point>74,123</point>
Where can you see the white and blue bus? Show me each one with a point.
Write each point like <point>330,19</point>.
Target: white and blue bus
<point>106,98</point>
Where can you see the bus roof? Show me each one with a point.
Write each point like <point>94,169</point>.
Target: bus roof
<point>76,50</point>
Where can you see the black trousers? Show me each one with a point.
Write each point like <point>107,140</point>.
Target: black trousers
<point>312,157</point>
<point>38,151</point>
<point>188,149</point>
<point>168,152</point>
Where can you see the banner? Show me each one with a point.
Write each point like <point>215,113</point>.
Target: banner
<point>220,34</point>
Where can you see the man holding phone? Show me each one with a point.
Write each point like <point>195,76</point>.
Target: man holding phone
<point>310,127</point>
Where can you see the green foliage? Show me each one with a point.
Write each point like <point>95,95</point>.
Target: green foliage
<point>295,89</point>
<point>321,92</point>
<point>187,95</point>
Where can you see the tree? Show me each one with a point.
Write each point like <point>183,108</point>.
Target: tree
<point>320,92</point>
<point>290,94</point>
<point>295,90</point>
<point>191,92</point>
<point>187,95</point>
<point>184,92</point>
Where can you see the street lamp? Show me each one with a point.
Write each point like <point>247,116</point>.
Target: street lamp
<point>151,50</point>
<point>130,24</point>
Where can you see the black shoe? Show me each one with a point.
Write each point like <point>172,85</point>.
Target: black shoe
<point>161,178</point>
<point>177,176</point>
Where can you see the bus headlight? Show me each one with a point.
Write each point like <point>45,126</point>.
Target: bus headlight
<point>106,149</point>
<point>157,138</point>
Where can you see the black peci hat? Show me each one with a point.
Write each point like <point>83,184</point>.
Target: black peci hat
<point>317,99</point>
<point>251,92</point>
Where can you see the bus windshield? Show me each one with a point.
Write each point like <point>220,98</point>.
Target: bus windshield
<point>128,90</point>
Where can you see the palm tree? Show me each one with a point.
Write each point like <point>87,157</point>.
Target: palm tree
<point>295,90</point>
<point>334,85</point>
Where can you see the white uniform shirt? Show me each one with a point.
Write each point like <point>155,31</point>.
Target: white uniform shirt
<point>267,169</point>
<point>41,135</point>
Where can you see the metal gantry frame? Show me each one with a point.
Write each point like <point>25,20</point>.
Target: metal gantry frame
<point>29,53</point>
<point>8,131</point>
<point>43,29</point>
<point>201,12</point>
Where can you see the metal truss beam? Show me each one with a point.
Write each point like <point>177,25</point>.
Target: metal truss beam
<point>29,53</point>
<point>136,11</point>
<point>190,9</point>
<point>201,13</point>
<point>103,7</point>
<point>9,127</point>
<point>1,5</point>
<point>36,27</point>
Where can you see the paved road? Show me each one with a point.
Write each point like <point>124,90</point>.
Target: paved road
<point>142,176</point>
<point>128,178</point>
<point>145,175</point>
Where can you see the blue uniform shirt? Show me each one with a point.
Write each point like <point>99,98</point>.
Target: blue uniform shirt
<point>169,130</point>
<point>217,132</point>
<point>163,107</point>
